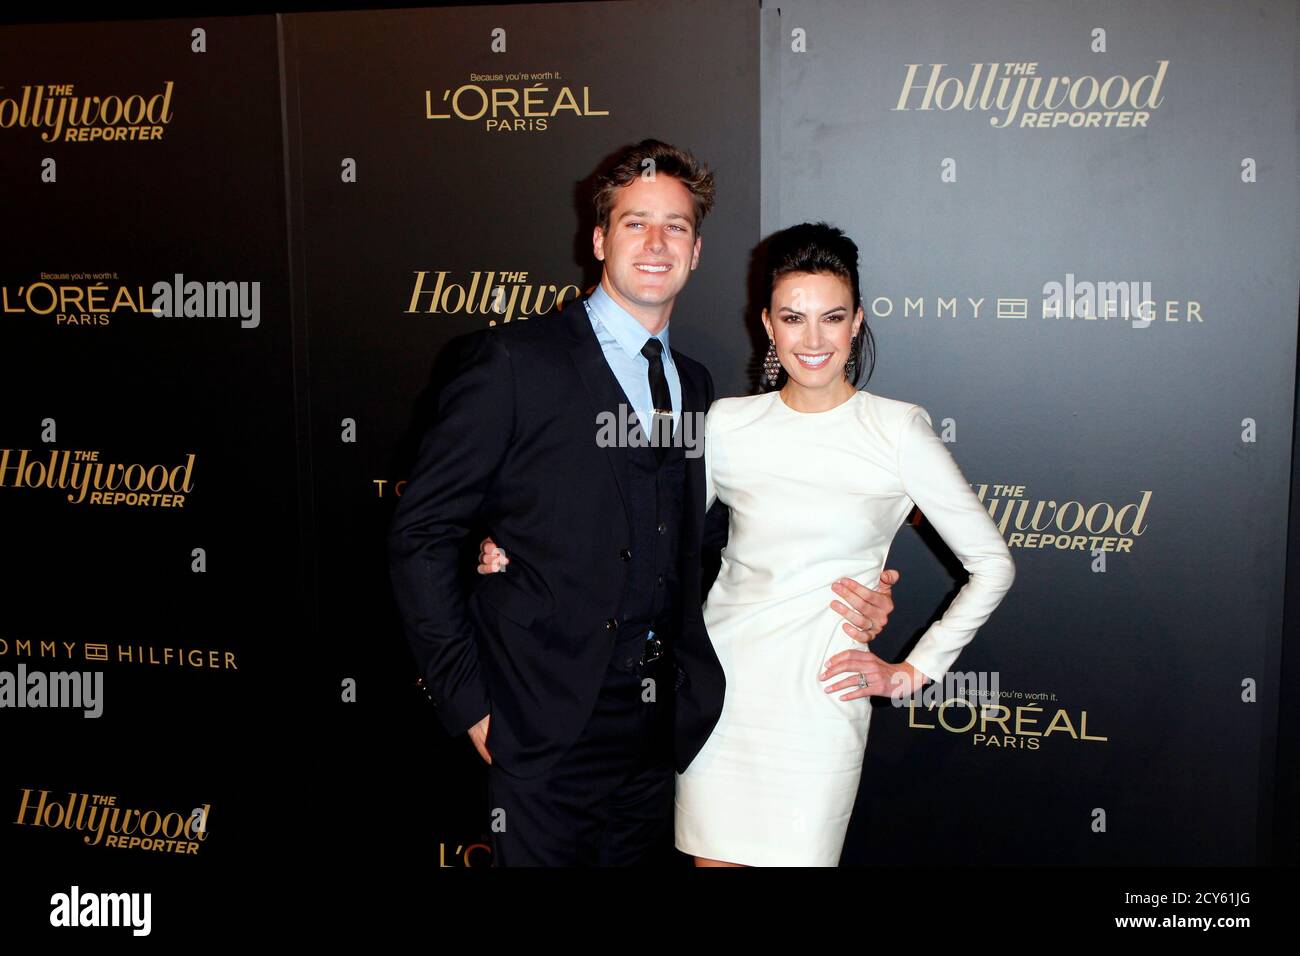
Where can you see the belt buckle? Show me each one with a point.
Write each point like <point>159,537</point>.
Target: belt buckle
<point>653,650</point>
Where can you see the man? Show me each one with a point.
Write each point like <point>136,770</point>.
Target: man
<point>584,676</point>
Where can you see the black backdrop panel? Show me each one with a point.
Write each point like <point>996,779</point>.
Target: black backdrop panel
<point>193,664</point>
<point>410,222</point>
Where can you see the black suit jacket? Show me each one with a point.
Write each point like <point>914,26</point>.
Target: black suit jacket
<point>514,450</point>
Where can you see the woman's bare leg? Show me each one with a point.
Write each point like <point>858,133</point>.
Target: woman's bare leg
<point>704,861</point>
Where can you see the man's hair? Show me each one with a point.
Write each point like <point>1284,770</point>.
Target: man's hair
<point>652,157</point>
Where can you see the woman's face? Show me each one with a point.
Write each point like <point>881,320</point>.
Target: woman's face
<point>813,323</point>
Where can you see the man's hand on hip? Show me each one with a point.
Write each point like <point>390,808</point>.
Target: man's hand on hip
<point>491,558</point>
<point>865,611</point>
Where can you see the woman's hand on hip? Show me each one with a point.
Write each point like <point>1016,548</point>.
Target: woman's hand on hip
<point>883,679</point>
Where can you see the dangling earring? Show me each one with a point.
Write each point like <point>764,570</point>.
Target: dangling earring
<point>771,364</point>
<point>851,366</point>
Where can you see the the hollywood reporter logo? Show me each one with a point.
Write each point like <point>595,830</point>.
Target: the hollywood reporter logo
<point>624,430</point>
<point>103,823</point>
<point>1027,99</point>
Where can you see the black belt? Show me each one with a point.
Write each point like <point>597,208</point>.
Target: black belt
<point>652,648</point>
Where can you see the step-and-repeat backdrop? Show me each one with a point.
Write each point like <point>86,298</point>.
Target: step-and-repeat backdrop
<point>238,258</point>
<point>1007,171</point>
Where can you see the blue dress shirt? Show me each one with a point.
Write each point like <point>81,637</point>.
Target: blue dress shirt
<point>621,338</point>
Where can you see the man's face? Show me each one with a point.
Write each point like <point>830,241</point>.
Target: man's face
<point>651,247</point>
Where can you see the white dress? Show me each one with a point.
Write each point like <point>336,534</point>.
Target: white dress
<point>814,496</point>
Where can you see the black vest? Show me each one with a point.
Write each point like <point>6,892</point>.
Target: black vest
<point>656,494</point>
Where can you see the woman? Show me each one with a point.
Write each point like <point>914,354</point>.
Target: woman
<point>818,476</point>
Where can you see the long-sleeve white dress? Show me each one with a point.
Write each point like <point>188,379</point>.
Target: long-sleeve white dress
<point>814,496</point>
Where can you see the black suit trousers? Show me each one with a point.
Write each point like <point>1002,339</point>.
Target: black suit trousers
<point>609,800</point>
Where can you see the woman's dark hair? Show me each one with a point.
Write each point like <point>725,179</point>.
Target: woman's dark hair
<point>820,248</point>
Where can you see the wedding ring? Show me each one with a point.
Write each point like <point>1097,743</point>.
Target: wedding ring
<point>862,679</point>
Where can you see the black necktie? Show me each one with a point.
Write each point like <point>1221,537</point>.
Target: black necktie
<point>662,425</point>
